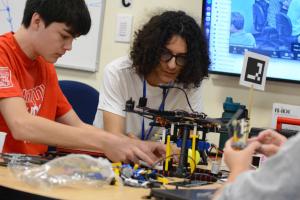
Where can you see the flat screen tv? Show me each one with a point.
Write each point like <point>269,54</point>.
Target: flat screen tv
<point>268,27</point>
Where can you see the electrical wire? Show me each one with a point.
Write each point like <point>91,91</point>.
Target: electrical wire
<point>179,88</point>
<point>186,97</point>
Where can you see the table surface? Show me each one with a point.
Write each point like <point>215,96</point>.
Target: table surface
<point>8,179</point>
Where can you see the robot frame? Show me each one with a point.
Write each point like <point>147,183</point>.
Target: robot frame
<point>188,126</point>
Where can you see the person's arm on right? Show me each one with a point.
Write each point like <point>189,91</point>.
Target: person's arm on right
<point>270,181</point>
<point>238,161</point>
<point>268,142</point>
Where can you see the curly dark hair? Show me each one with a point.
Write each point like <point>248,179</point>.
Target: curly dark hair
<point>150,41</point>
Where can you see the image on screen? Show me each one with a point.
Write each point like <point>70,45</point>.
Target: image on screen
<point>268,27</point>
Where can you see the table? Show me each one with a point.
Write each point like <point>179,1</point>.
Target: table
<point>8,180</point>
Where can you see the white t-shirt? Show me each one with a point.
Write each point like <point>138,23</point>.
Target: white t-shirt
<point>120,83</point>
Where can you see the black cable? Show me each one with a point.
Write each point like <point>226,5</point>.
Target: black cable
<point>186,97</point>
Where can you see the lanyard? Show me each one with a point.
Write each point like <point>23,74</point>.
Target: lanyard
<point>161,108</point>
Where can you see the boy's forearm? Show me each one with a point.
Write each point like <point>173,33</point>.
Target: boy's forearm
<point>44,131</point>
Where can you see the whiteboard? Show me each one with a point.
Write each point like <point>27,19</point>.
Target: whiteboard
<point>85,51</point>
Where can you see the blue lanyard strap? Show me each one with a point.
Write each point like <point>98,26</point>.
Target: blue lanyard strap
<point>144,89</point>
<point>161,108</point>
<point>143,120</point>
<point>162,105</point>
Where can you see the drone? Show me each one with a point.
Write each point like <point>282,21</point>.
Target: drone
<point>164,118</point>
<point>187,124</point>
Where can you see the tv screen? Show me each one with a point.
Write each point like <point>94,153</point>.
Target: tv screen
<point>268,27</point>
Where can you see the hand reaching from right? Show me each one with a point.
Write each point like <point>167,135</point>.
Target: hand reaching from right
<point>271,141</point>
<point>239,161</point>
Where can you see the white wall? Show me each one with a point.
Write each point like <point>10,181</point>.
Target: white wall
<point>215,89</point>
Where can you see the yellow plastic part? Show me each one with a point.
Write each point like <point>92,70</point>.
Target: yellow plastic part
<point>163,180</point>
<point>168,153</point>
<point>190,161</point>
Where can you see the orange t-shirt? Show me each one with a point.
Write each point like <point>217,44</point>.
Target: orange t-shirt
<point>35,81</point>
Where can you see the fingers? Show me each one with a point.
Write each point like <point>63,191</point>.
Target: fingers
<point>160,149</point>
<point>175,149</point>
<point>156,148</point>
<point>271,137</point>
<point>145,151</point>
<point>134,155</point>
<point>228,144</point>
<point>253,146</point>
<point>148,158</point>
<point>266,134</point>
<point>252,139</point>
<point>280,139</point>
<point>268,149</point>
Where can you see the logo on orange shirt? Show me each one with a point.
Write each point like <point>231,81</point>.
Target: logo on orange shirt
<point>5,77</point>
<point>34,98</point>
